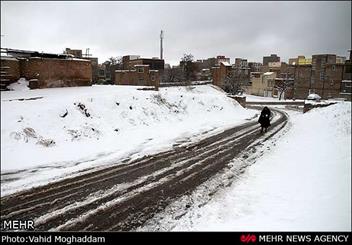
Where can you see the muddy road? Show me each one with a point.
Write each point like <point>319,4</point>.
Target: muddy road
<point>124,197</point>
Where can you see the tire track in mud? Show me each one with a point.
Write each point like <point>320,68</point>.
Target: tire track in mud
<point>123,197</point>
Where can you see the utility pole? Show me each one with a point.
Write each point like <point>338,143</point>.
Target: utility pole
<point>161,44</point>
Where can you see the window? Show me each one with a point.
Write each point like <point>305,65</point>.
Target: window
<point>322,75</point>
<point>140,69</point>
<point>333,67</point>
<point>152,77</point>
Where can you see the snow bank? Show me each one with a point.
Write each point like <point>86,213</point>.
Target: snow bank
<point>21,85</point>
<point>46,133</point>
<point>302,184</point>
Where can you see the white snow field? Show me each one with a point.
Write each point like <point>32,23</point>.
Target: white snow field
<point>302,182</point>
<point>47,134</point>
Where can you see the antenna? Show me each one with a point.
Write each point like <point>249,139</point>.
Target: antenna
<point>161,44</point>
<point>87,52</point>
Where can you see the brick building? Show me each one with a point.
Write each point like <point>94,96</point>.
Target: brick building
<point>140,75</point>
<point>10,71</point>
<point>219,73</point>
<point>77,53</point>
<point>129,61</point>
<point>346,84</point>
<point>302,84</point>
<point>51,73</point>
<point>326,75</point>
<point>94,68</point>
<point>44,70</point>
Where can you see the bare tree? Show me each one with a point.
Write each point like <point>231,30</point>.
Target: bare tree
<point>173,75</point>
<point>233,83</point>
<point>284,84</point>
<point>113,60</point>
<point>188,66</point>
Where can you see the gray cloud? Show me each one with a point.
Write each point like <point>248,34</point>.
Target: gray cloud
<point>205,29</point>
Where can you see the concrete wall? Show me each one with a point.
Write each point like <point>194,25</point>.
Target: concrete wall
<point>262,84</point>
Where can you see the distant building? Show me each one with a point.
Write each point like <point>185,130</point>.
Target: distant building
<point>205,74</point>
<point>340,60</point>
<point>262,84</point>
<point>254,66</point>
<point>75,52</point>
<point>139,75</point>
<point>241,70</point>
<point>323,77</point>
<point>300,60</point>
<point>219,73</point>
<point>107,72</point>
<point>95,68</point>
<point>241,63</point>
<point>209,63</point>
<point>129,61</point>
<point>271,58</point>
<point>346,83</point>
<point>326,75</point>
<point>346,89</point>
<point>302,84</point>
<point>222,58</point>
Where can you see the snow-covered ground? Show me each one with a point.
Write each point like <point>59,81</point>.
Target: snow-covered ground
<point>299,180</point>
<point>255,98</point>
<point>50,133</point>
<point>302,182</point>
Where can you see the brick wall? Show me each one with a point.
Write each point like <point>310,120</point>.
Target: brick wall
<point>140,76</point>
<point>10,70</point>
<point>56,72</point>
<point>302,81</point>
<point>220,73</point>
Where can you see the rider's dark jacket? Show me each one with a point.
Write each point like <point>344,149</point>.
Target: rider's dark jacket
<point>264,118</point>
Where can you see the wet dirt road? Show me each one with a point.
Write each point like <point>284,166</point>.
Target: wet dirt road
<point>124,197</point>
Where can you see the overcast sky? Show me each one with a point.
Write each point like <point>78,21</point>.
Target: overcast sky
<point>205,29</point>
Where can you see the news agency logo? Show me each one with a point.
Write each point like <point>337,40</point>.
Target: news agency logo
<point>248,238</point>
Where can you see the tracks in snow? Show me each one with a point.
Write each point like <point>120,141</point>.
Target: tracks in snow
<point>123,197</point>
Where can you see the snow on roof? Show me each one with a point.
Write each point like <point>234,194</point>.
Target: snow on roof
<point>313,97</point>
<point>225,63</point>
<point>7,58</point>
<point>140,65</point>
<point>77,59</point>
<point>153,70</point>
<point>268,73</point>
<point>346,81</point>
